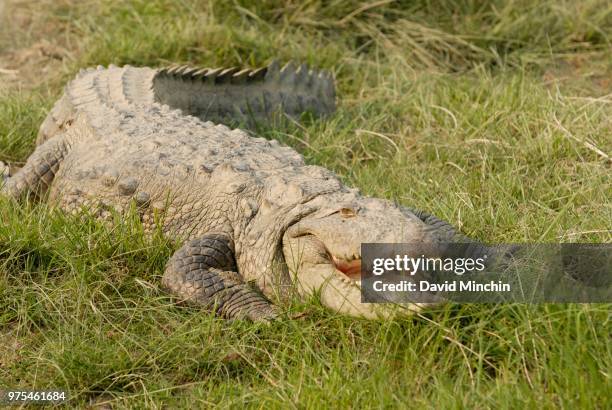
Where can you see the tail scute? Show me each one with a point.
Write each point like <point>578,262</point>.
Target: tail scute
<point>232,94</point>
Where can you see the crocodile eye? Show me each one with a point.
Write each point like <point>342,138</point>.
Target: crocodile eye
<point>347,212</point>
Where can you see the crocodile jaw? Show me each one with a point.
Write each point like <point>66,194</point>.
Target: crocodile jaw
<point>337,279</point>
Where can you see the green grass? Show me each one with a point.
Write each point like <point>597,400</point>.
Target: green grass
<point>493,115</point>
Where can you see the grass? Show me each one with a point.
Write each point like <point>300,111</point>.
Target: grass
<point>493,115</point>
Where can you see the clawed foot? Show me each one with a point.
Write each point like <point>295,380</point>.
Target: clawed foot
<point>265,314</point>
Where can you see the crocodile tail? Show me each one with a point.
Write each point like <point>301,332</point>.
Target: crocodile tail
<point>234,95</point>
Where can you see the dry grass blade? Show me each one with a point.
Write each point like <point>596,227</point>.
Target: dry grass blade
<point>585,143</point>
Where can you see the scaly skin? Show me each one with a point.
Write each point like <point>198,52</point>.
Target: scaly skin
<point>246,209</point>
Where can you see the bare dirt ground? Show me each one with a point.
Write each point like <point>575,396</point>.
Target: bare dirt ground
<point>581,74</point>
<point>33,44</point>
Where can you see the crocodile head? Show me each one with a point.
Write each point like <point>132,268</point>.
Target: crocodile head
<point>323,251</point>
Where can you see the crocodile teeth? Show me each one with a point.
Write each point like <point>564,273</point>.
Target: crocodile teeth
<point>350,268</point>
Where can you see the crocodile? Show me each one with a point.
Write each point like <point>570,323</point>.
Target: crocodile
<point>251,220</point>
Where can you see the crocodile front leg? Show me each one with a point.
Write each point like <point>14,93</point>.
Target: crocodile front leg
<point>36,176</point>
<point>203,272</point>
